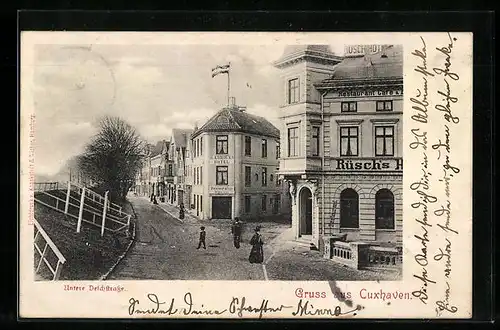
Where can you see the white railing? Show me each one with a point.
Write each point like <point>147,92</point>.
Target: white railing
<point>90,214</point>
<point>44,252</point>
<point>46,186</point>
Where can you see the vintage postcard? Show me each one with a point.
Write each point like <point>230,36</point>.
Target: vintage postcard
<point>246,175</point>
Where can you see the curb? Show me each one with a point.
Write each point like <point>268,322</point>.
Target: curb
<point>120,258</point>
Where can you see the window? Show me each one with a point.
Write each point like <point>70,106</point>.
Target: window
<point>248,146</point>
<point>264,148</point>
<point>221,175</point>
<point>348,141</point>
<point>248,176</point>
<point>293,90</point>
<point>384,209</point>
<point>349,202</point>
<point>315,141</point>
<point>201,203</point>
<point>293,139</point>
<point>264,202</point>
<point>221,144</point>
<point>349,106</point>
<point>247,204</point>
<point>201,146</point>
<point>201,175</point>
<point>170,170</point>
<point>277,150</point>
<point>271,178</point>
<point>384,141</point>
<point>264,176</point>
<point>384,105</point>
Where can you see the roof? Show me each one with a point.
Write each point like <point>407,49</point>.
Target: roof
<point>382,65</point>
<point>181,137</point>
<point>321,53</point>
<point>157,149</point>
<point>235,120</point>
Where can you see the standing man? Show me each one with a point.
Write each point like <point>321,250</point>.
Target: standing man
<point>236,231</point>
<point>202,238</point>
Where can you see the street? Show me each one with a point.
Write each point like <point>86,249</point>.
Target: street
<point>165,249</point>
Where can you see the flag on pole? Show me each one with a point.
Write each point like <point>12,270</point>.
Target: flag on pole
<point>219,69</point>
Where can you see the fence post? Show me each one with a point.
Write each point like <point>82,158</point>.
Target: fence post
<point>104,212</point>
<point>80,213</point>
<point>67,198</point>
<point>58,271</point>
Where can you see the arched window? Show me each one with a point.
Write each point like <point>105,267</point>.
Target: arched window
<point>384,209</point>
<point>349,210</point>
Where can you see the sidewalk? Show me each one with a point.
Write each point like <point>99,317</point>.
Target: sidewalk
<point>173,211</point>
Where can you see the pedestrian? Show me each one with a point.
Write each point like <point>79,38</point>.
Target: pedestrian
<point>181,211</point>
<point>257,252</point>
<point>154,200</point>
<point>202,238</point>
<point>236,231</point>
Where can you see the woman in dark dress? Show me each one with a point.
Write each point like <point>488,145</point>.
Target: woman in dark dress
<point>257,253</point>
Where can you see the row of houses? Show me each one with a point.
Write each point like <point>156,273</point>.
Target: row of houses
<point>224,169</point>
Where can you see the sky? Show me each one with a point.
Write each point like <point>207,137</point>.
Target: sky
<point>153,87</point>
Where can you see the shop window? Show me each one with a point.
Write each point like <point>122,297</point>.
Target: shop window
<point>349,141</point>
<point>349,209</point>
<point>384,209</point>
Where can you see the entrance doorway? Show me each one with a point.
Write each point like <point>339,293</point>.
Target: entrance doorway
<point>221,207</point>
<point>305,225</point>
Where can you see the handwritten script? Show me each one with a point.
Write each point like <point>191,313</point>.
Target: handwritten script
<point>434,121</point>
<point>239,306</point>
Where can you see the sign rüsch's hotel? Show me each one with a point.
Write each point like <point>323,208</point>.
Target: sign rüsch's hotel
<point>342,142</point>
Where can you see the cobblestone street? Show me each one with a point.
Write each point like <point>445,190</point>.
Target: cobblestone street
<point>165,249</point>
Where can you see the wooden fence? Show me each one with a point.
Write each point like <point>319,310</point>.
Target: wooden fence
<point>83,204</point>
<point>47,250</point>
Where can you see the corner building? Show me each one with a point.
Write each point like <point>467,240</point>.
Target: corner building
<point>234,167</point>
<point>342,143</point>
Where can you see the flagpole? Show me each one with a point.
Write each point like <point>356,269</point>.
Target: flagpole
<point>228,85</point>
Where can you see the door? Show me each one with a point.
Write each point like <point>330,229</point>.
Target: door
<point>306,212</point>
<point>221,207</point>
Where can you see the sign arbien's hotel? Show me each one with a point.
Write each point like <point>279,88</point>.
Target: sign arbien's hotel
<point>342,142</point>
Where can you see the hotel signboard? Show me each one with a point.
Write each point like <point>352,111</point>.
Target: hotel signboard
<point>221,190</point>
<point>222,160</point>
<point>367,164</point>
<point>360,50</point>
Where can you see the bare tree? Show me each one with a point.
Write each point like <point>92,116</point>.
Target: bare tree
<point>113,157</point>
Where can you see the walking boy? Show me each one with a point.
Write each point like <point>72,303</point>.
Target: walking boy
<point>202,238</point>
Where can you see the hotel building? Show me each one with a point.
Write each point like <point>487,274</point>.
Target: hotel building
<point>341,142</point>
<point>233,168</point>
